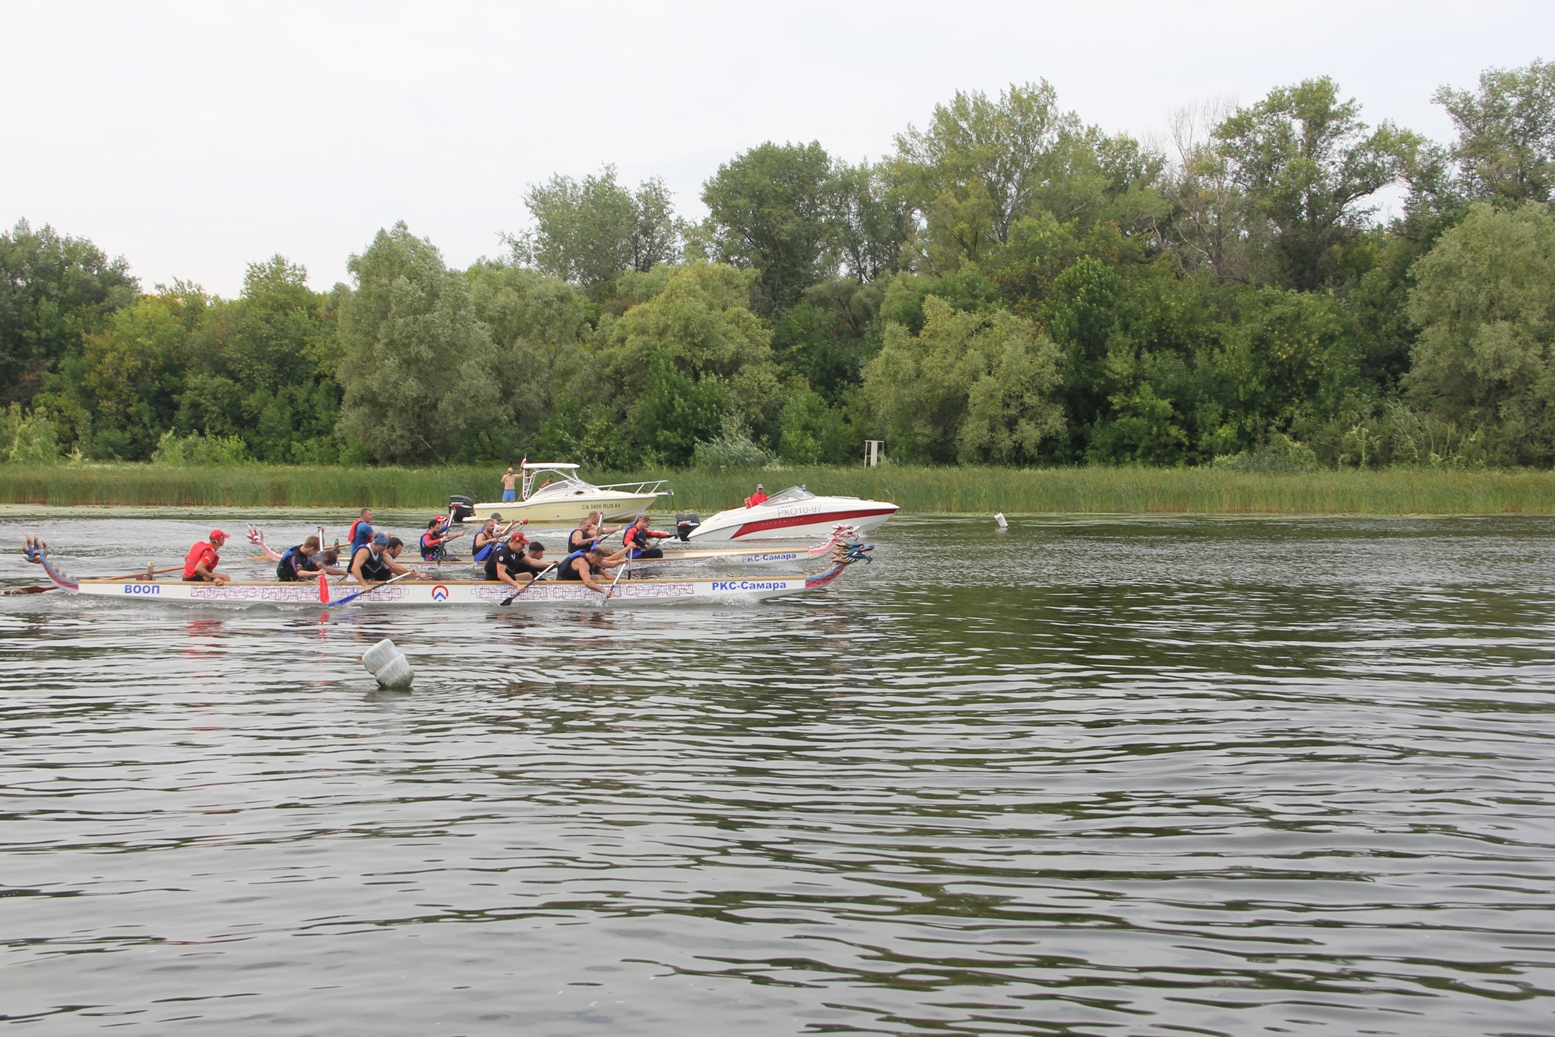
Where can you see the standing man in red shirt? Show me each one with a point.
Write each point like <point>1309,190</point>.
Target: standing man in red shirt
<point>200,562</point>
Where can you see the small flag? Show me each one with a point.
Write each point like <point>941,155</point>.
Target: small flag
<point>324,587</point>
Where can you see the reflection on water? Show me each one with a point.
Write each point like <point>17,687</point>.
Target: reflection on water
<point>1082,777</point>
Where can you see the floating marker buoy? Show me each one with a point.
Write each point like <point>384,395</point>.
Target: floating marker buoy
<point>388,665</point>
<point>1004,523</point>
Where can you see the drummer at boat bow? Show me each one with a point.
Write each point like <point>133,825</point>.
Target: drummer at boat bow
<point>374,564</point>
<point>200,562</point>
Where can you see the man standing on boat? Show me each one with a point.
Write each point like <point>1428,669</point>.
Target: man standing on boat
<point>200,562</point>
<point>509,487</point>
<point>759,497</point>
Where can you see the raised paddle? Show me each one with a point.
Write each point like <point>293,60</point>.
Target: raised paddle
<point>352,597</point>
<point>514,596</point>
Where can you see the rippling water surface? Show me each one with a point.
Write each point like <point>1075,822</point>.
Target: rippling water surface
<point>1080,777</point>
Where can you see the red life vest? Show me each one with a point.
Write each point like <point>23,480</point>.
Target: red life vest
<point>200,552</point>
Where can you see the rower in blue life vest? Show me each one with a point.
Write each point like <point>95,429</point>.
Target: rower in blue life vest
<point>487,538</point>
<point>584,566</point>
<point>590,533</point>
<point>373,563</point>
<point>307,561</point>
<point>361,531</point>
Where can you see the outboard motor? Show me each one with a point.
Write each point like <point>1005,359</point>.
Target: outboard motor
<point>460,508</point>
<point>684,524</point>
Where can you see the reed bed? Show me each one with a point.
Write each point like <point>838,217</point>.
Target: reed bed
<point>918,490</point>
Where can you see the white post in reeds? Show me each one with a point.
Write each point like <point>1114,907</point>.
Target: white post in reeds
<point>872,448</point>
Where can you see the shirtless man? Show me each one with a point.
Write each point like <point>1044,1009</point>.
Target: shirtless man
<point>509,487</point>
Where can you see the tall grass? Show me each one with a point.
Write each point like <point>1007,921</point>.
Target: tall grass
<point>918,490</point>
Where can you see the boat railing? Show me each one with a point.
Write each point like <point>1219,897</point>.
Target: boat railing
<point>646,486</point>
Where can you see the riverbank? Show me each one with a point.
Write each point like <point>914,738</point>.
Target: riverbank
<point>1197,491</point>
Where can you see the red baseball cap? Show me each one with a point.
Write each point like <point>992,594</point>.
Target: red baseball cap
<point>217,534</point>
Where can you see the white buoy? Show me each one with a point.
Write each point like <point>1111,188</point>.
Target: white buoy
<point>1004,523</point>
<point>388,665</point>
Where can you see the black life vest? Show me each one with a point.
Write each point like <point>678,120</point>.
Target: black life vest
<point>374,570</point>
<point>565,571</point>
<point>291,561</point>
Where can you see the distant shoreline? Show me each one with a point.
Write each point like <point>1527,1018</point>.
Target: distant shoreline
<point>918,490</point>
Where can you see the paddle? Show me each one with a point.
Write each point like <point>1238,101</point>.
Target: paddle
<point>352,597</point>
<point>514,596</point>
<point>613,583</point>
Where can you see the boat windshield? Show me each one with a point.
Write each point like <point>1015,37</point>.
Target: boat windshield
<point>561,484</point>
<point>791,495</point>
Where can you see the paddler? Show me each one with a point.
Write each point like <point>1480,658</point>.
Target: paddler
<point>374,564</point>
<point>508,564</point>
<point>306,561</point>
<point>486,538</point>
<point>434,541</point>
<point>589,534</point>
<point>584,566</point>
<point>361,531</point>
<point>200,562</point>
<point>637,542</point>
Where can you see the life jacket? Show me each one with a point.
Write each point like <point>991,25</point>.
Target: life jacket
<point>487,551</point>
<point>359,534</point>
<point>200,552</point>
<point>565,571</point>
<point>572,545</point>
<point>430,543</point>
<point>373,569</point>
<point>484,550</point>
<point>292,562</point>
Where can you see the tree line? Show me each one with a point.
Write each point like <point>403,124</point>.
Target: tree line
<point>1009,286</point>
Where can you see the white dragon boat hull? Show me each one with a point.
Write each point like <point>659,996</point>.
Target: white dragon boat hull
<point>439,593</point>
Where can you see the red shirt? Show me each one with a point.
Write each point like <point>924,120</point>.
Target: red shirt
<point>200,552</point>
<point>756,498</point>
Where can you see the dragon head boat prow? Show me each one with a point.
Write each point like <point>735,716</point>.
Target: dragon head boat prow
<point>36,551</point>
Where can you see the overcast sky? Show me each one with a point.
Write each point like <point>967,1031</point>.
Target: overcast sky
<point>196,138</point>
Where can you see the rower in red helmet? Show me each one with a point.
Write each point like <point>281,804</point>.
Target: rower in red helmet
<point>200,562</point>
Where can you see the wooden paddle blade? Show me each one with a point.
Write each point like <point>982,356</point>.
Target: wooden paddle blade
<point>26,590</point>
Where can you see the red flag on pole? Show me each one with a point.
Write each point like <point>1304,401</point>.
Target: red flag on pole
<point>323,576</point>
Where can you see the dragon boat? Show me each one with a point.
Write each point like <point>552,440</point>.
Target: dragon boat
<point>432,591</point>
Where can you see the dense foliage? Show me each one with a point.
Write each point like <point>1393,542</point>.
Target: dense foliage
<point>1010,286</point>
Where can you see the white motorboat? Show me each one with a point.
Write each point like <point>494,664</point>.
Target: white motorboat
<point>795,512</point>
<point>562,498</point>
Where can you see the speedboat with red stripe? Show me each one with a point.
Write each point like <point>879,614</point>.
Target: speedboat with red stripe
<point>795,512</point>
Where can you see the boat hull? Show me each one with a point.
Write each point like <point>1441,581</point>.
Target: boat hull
<point>805,519</point>
<point>450,592</point>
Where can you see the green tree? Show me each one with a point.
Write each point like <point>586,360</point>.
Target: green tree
<point>770,209</point>
<point>973,388</point>
<point>54,290</point>
<point>417,368</point>
<point>1506,132</point>
<point>1307,164</point>
<point>1485,304</point>
<point>700,324</point>
<point>869,218</point>
<point>590,231</point>
<point>982,164</point>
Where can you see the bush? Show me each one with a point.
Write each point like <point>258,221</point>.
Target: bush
<point>1279,455</point>
<point>733,448</point>
<point>197,449</point>
<point>35,441</point>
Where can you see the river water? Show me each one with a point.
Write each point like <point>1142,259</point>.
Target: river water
<point>1078,777</point>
